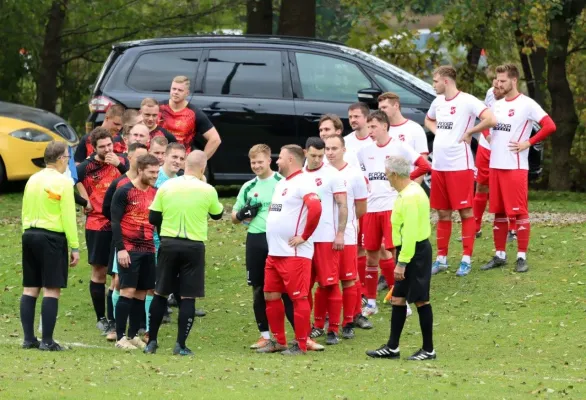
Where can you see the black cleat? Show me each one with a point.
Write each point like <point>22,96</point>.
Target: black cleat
<point>348,331</point>
<point>293,351</point>
<point>171,300</point>
<point>384,352</point>
<point>512,236</point>
<point>496,262</point>
<point>181,351</point>
<point>31,344</point>
<point>422,355</point>
<point>364,301</point>
<point>151,347</point>
<point>200,313</point>
<point>521,265</point>
<point>54,346</point>
<point>316,332</point>
<point>102,325</point>
<point>332,338</point>
<point>362,322</point>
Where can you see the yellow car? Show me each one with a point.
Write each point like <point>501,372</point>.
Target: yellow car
<point>24,135</point>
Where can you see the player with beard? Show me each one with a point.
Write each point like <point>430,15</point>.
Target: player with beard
<point>133,239</point>
<point>357,194</point>
<point>186,122</point>
<point>510,143</point>
<point>451,119</point>
<point>95,175</point>
<point>158,147</point>
<point>149,109</point>
<point>112,123</point>
<point>381,198</point>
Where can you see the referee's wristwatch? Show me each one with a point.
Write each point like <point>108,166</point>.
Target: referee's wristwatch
<point>74,250</point>
<point>402,265</point>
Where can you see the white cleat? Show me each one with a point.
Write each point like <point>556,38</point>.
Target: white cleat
<point>369,310</point>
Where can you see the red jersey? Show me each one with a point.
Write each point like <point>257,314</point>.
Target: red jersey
<point>185,124</point>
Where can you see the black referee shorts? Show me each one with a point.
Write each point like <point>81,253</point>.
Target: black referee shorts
<point>98,247</point>
<point>183,260</point>
<point>141,272</point>
<point>45,259</point>
<point>257,251</point>
<point>415,286</point>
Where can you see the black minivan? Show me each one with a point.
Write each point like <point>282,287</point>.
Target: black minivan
<point>257,89</point>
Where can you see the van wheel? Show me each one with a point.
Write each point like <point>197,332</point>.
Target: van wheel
<point>2,173</point>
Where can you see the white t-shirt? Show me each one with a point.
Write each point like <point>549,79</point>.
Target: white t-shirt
<point>288,215</point>
<point>513,119</point>
<point>355,190</point>
<point>489,100</point>
<point>329,181</point>
<point>411,133</point>
<point>453,117</point>
<point>381,196</point>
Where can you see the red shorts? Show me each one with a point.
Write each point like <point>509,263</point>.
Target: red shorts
<point>377,230</point>
<point>508,191</point>
<point>324,268</point>
<point>349,263</point>
<point>482,161</point>
<point>288,275</point>
<point>452,190</point>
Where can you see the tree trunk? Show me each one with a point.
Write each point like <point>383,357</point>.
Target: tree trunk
<point>259,17</point>
<point>468,75</point>
<point>50,60</point>
<point>562,99</point>
<point>297,18</point>
<point>538,63</point>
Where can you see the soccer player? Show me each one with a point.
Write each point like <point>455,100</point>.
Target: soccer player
<point>158,147</point>
<point>149,109</point>
<point>174,161</point>
<point>357,193</point>
<point>135,249</point>
<point>451,119</point>
<point>411,230</point>
<point>381,197</point>
<point>138,133</point>
<point>328,240</point>
<point>95,175</point>
<point>180,212</point>
<point>112,123</point>
<point>49,228</point>
<point>510,143</point>
<point>331,124</point>
<point>293,217</point>
<point>186,122</point>
<point>252,208</point>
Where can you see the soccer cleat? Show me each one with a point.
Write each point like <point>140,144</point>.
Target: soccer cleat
<point>464,269</point>
<point>312,345</point>
<point>111,332</point>
<point>521,265</point>
<point>369,310</point>
<point>125,344</point>
<point>494,263</point>
<point>171,300</point>
<point>294,350</point>
<point>200,313</point>
<point>384,352</point>
<point>141,331</point>
<point>151,347</point>
<point>362,322</point>
<point>166,319</point>
<point>137,342</point>
<point>53,346</point>
<point>102,325</point>
<point>145,338</point>
<point>272,347</point>
<point>422,355</point>
<point>332,338</point>
<point>364,301</point>
<point>31,344</point>
<point>262,342</point>
<point>181,351</point>
<point>438,267</point>
<point>512,236</point>
<point>348,331</point>
<point>316,332</point>
<point>382,284</point>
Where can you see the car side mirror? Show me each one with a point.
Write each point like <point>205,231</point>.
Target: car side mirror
<point>369,97</point>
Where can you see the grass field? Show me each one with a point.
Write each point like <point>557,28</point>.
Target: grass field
<point>498,334</point>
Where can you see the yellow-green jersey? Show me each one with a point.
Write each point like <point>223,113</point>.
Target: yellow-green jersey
<point>410,220</point>
<point>48,203</point>
<point>185,203</point>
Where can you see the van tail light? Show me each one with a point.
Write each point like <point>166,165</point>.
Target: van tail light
<point>100,104</point>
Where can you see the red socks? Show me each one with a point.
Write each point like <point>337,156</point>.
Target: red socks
<point>500,232</point>
<point>387,268</point>
<point>301,314</point>
<point>349,302</point>
<point>468,235</point>
<point>371,281</point>
<point>362,273</point>
<point>276,318</point>
<point>513,224</point>
<point>358,307</point>
<point>523,231</point>
<point>320,307</point>
<point>444,231</point>
<point>480,200</point>
<point>334,304</point>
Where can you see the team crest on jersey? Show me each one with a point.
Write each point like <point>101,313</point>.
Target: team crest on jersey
<point>387,157</point>
<point>402,137</point>
<point>318,181</point>
<point>284,192</point>
<point>511,112</point>
<point>452,110</point>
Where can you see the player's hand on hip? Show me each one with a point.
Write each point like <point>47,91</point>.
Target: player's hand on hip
<point>467,137</point>
<point>296,241</point>
<point>518,147</point>
<point>123,259</point>
<point>400,272</point>
<point>74,258</point>
<point>339,242</point>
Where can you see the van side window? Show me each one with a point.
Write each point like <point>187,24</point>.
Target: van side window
<point>153,72</point>
<point>405,95</point>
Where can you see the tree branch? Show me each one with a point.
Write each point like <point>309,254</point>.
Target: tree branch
<point>99,18</point>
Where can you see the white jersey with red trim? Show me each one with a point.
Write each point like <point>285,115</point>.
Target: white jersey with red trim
<point>453,117</point>
<point>513,124</point>
<point>353,143</point>
<point>381,196</point>
<point>356,190</point>
<point>489,100</point>
<point>288,216</point>
<point>411,133</point>
<point>329,181</point>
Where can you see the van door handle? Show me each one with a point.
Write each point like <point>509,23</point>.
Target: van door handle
<point>213,110</point>
<point>312,117</point>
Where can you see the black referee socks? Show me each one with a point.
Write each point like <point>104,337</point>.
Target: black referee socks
<point>426,323</point>
<point>49,309</point>
<point>186,320</point>
<point>27,316</point>
<point>398,317</point>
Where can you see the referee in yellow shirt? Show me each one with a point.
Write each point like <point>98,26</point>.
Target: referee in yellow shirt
<point>49,228</point>
<point>411,230</point>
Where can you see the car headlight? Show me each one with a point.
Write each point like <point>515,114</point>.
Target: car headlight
<point>31,135</point>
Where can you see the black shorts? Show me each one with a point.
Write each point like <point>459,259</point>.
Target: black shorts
<point>257,250</point>
<point>184,261</point>
<point>45,259</point>
<point>140,274</point>
<point>98,247</point>
<point>415,286</point>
